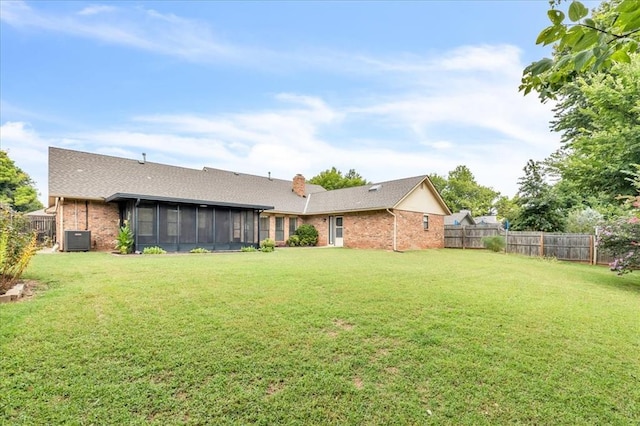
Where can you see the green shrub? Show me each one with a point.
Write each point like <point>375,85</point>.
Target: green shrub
<point>124,241</point>
<point>199,250</point>
<point>17,247</point>
<point>248,249</point>
<point>293,241</point>
<point>267,245</point>
<point>154,250</point>
<point>494,243</point>
<point>308,235</point>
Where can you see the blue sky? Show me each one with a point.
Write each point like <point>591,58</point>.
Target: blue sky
<point>391,89</point>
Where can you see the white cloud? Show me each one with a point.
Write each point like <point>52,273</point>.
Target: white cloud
<point>439,145</point>
<point>134,27</point>
<point>28,151</point>
<point>96,9</point>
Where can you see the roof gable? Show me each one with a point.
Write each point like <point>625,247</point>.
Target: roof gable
<point>381,195</point>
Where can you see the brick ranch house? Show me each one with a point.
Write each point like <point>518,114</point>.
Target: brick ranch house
<point>180,209</point>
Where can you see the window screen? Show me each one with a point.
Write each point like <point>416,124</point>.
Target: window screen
<point>168,224</point>
<point>264,228</point>
<point>293,225</point>
<point>205,225</point>
<point>187,224</point>
<point>222,228</point>
<point>146,229</point>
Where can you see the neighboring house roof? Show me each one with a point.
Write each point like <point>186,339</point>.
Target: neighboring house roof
<point>40,212</point>
<point>81,175</point>
<point>378,196</point>
<point>463,217</point>
<point>75,174</point>
<point>486,220</point>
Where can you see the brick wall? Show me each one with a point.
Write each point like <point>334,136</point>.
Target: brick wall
<point>272,226</point>
<point>368,230</point>
<point>375,230</point>
<point>411,234</point>
<point>321,225</point>
<point>103,222</point>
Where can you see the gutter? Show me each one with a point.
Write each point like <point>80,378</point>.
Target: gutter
<point>395,229</point>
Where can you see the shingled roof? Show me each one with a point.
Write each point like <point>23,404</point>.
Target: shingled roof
<point>82,175</point>
<point>75,174</point>
<point>382,195</point>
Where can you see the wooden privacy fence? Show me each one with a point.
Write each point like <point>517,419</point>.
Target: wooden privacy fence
<point>45,226</point>
<point>562,246</point>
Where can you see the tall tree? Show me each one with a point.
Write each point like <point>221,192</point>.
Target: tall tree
<point>583,44</point>
<point>333,179</point>
<point>461,191</point>
<point>539,208</point>
<point>16,187</point>
<point>599,118</point>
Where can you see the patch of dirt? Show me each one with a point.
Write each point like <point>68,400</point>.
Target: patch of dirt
<point>342,324</point>
<point>274,388</point>
<point>358,383</point>
<point>392,370</point>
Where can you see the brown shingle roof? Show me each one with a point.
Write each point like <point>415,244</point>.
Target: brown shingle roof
<point>76,174</point>
<point>377,196</point>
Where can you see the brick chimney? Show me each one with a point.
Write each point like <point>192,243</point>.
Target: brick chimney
<point>298,185</point>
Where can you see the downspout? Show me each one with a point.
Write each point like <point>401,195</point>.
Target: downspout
<point>395,229</point>
<point>62,222</point>
<point>86,215</point>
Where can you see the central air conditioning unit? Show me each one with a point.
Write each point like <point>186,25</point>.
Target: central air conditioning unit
<point>77,240</point>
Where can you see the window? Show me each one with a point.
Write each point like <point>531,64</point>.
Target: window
<point>146,230</point>
<point>425,222</point>
<point>293,225</point>
<point>168,224</point>
<point>146,221</point>
<point>279,228</point>
<point>264,228</point>
<point>236,221</point>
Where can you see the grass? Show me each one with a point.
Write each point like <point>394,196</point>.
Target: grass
<point>327,336</point>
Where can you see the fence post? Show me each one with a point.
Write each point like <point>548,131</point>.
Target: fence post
<point>506,240</point>
<point>595,247</point>
<point>463,233</point>
<point>541,244</point>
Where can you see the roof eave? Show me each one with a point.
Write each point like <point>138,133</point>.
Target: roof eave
<point>333,212</point>
<point>122,196</point>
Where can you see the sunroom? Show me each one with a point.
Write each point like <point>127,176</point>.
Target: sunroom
<point>180,225</point>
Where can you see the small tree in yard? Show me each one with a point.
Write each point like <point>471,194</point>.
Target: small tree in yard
<point>17,247</point>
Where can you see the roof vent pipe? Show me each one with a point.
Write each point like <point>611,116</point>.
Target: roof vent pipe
<point>269,175</point>
<point>144,158</point>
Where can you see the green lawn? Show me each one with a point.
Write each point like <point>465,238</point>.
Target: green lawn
<point>321,336</point>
